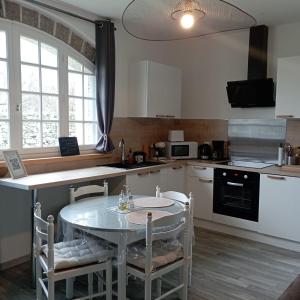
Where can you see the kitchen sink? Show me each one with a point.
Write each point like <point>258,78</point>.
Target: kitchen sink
<point>128,166</point>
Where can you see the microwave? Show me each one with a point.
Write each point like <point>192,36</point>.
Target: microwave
<point>182,150</point>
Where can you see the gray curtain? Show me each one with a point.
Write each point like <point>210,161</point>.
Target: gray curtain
<point>105,82</point>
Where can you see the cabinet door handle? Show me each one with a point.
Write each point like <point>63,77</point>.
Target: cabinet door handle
<point>143,174</point>
<point>156,171</point>
<point>205,180</point>
<point>199,168</point>
<point>235,184</point>
<point>276,177</point>
<point>160,116</point>
<point>285,116</point>
<point>177,168</point>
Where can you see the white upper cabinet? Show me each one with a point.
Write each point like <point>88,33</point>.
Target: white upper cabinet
<point>154,90</point>
<point>288,87</point>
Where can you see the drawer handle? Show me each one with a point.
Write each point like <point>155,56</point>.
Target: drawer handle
<point>205,180</point>
<point>143,174</point>
<point>177,168</point>
<point>276,177</point>
<point>285,116</point>
<point>199,168</point>
<point>153,172</point>
<point>234,184</point>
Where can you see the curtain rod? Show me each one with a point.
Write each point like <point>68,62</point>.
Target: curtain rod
<point>61,11</point>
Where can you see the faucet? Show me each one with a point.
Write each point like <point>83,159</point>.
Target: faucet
<point>122,148</point>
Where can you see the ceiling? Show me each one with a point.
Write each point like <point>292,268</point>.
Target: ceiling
<point>269,12</point>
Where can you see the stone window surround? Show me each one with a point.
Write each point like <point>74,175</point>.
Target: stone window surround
<point>16,12</point>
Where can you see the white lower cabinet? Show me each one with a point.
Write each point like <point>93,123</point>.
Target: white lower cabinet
<point>173,179</point>
<point>200,183</point>
<point>279,208</point>
<point>143,183</point>
<point>169,179</point>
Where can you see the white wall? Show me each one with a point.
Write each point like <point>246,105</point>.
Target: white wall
<point>209,62</point>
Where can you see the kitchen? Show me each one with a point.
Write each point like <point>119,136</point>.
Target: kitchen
<point>207,64</point>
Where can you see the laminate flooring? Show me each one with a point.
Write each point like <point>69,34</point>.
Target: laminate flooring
<point>224,268</point>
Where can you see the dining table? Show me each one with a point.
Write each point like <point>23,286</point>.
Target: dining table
<point>101,217</point>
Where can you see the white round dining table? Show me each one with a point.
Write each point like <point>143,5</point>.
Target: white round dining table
<point>98,217</point>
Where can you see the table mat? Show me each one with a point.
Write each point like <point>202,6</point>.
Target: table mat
<point>140,217</point>
<point>154,202</point>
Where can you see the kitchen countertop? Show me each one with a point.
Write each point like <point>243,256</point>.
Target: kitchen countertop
<point>275,170</point>
<point>46,180</point>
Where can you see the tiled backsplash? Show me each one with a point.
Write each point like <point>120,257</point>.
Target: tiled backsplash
<point>139,132</point>
<point>145,131</point>
<point>293,132</point>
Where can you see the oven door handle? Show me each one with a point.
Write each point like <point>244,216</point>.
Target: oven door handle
<point>235,184</point>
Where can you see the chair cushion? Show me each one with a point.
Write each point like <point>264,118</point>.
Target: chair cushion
<point>163,253</point>
<point>78,252</point>
<point>293,291</point>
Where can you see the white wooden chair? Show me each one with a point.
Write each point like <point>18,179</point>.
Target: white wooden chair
<point>163,229</point>
<point>85,192</point>
<point>47,264</point>
<point>80,194</point>
<point>182,198</point>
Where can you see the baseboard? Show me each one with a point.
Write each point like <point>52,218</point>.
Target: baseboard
<point>14,262</point>
<point>247,234</point>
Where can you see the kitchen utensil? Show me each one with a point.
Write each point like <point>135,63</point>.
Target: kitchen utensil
<point>204,151</point>
<point>139,156</point>
<point>218,150</point>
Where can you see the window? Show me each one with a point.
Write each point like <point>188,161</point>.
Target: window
<point>47,90</point>
<point>82,103</point>
<point>39,86</point>
<point>4,94</point>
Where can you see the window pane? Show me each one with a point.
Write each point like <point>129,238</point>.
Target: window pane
<point>76,129</point>
<point>50,134</point>
<point>31,134</point>
<point>88,71</point>
<point>75,84</point>
<point>90,133</point>
<point>49,81</point>
<point>29,50</point>
<point>89,86</point>
<point>75,109</point>
<point>4,135</point>
<point>31,107</point>
<point>48,55</point>
<point>2,44</point>
<point>89,110</point>
<point>3,75</point>
<point>74,65</point>
<point>50,108</point>
<point>4,112</point>
<point>30,78</point>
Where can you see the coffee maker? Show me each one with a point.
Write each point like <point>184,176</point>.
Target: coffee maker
<point>218,152</point>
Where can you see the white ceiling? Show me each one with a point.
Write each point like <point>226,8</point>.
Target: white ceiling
<point>269,12</point>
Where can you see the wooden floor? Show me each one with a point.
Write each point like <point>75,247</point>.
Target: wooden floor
<point>224,268</point>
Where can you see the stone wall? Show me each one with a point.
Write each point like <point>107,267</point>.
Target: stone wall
<point>20,13</point>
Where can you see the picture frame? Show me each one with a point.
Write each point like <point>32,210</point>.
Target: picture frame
<point>14,164</point>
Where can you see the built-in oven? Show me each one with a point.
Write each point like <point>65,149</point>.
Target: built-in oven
<point>236,193</point>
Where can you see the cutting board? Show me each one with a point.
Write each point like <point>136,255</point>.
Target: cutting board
<point>291,168</point>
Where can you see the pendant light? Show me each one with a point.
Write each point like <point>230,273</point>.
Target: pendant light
<point>188,12</point>
<point>167,20</point>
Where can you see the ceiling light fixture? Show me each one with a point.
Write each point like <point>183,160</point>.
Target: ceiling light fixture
<point>169,20</point>
<point>188,12</point>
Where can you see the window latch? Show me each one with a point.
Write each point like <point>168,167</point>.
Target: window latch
<point>18,107</point>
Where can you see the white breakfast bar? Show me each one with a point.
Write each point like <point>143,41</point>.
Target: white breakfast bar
<point>34,183</point>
